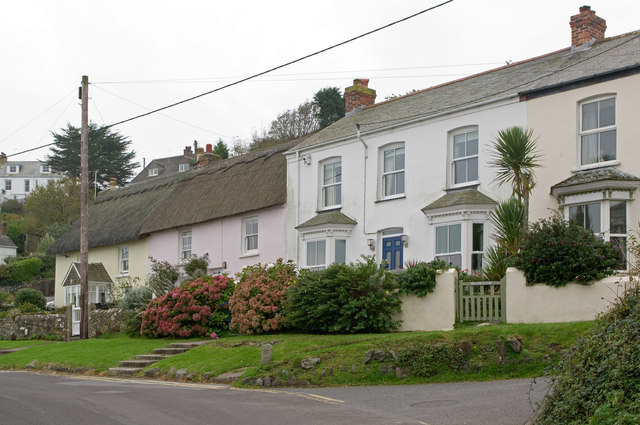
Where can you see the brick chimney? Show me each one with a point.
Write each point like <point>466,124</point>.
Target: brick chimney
<point>188,152</point>
<point>112,183</point>
<point>586,27</point>
<point>358,96</point>
<point>209,148</point>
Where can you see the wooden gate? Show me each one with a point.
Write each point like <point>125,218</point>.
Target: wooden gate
<point>481,301</point>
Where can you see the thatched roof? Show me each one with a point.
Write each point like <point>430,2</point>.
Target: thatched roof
<point>223,188</point>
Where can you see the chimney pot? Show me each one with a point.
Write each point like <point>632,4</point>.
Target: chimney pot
<point>209,148</point>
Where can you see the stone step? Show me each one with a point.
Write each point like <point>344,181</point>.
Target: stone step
<point>123,371</point>
<point>154,357</point>
<point>188,344</point>
<point>11,350</point>
<point>170,351</point>
<point>136,363</point>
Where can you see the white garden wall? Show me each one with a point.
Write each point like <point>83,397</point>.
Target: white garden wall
<point>434,312</point>
<point>540,303</point>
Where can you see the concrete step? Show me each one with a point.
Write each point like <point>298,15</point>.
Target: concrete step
<point>154,357</point>
<point>169,351</point>
<point>136,363</point>
<point>123,371</point>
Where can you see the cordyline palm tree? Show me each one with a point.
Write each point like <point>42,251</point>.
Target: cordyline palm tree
<point>515,158</point>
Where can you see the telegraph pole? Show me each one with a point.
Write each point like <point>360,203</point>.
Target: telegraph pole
<point>84,210</point>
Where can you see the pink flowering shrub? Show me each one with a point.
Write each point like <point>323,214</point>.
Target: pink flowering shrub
<point>196,309</point>
<point>257,303</point>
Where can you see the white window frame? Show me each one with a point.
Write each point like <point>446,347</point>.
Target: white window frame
<point>13,169</point>
<point>605,232</point>
<point>332,237</point>
<point>334,184</point>
<point>596,131</point>
<point>124,260</point>
<point>448,253</point>
<point>183,167</point>
<point>8,184</point>
<point>185,245</point>
<point>477,252</point>
<point>153,172</point>
<point>395,173</point>
<point>466,158</point>
<point>315,264</point>
<point>45,169</point>
<point>247,236</point>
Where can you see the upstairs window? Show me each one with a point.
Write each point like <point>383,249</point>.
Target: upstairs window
<point>332,183</point>
<point>27,186</point>
<point>250,235</point>
<point>393,172</point>
<point>45,169</point>
<point>7,185</point>
<point>464,166</point>
<point>598,131</point>
<point>185,245</point>
<point>13,169</point>
<point>153,172</point>
<point>183,167</point>
<point>124,260</point>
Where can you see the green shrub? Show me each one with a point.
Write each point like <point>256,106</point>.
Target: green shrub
<point>195,309</point>
<point>598,381</point>
<point>24,270</point>
<point>344,299</point>
<point>136,299</point>
<point>28,307</point>
<point>163,277</point>
<point>258,300</point>
<point>430,359</point>
<point>196,266</point>
<point>556,252</point>
<point>5,297</point>
<point>32,296</point>
<point>420,278</point>
<point>48,268</point>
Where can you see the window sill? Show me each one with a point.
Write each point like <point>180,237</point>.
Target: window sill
<point>121,275</point>
<point>596,165</point>
<point>331,208</point>
<point>464,185</point>
<point>391,198</point>
<point>249,254</point>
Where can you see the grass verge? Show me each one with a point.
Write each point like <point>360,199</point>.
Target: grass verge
<point>341,356</point>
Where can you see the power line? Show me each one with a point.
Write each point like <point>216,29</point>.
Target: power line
<point>281,66</point>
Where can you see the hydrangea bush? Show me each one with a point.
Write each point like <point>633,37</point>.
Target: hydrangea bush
<point>257,303</point>
<point>196,309</point>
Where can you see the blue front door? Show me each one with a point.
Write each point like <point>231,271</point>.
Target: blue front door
<point>392,252</point>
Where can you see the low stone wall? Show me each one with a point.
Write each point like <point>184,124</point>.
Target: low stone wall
<point>434,312</point>
<point>33,325</point>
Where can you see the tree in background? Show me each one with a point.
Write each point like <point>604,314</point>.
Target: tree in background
<point>329,104</point>
<point>108,155</point>
<point>221,149</point>
<point>52,208</point>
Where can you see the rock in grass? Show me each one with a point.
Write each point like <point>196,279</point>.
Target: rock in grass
<point>309,363</point>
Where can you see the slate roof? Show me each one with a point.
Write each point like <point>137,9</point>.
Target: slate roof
<point>222,188</point>
<point>6,242</point>
<point>27,169</point>
<point>457,198</point>
<point>166,167</point>
<point>329,217</point>
<point>596,179</point>
<point>562,67</point>
<point>97,274</point>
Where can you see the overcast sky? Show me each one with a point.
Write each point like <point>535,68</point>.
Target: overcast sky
<point>142,55</point>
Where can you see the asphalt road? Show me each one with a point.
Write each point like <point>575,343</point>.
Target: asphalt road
<point>30,399</point>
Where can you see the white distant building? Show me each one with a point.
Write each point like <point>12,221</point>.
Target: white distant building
<point>18,178</point>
